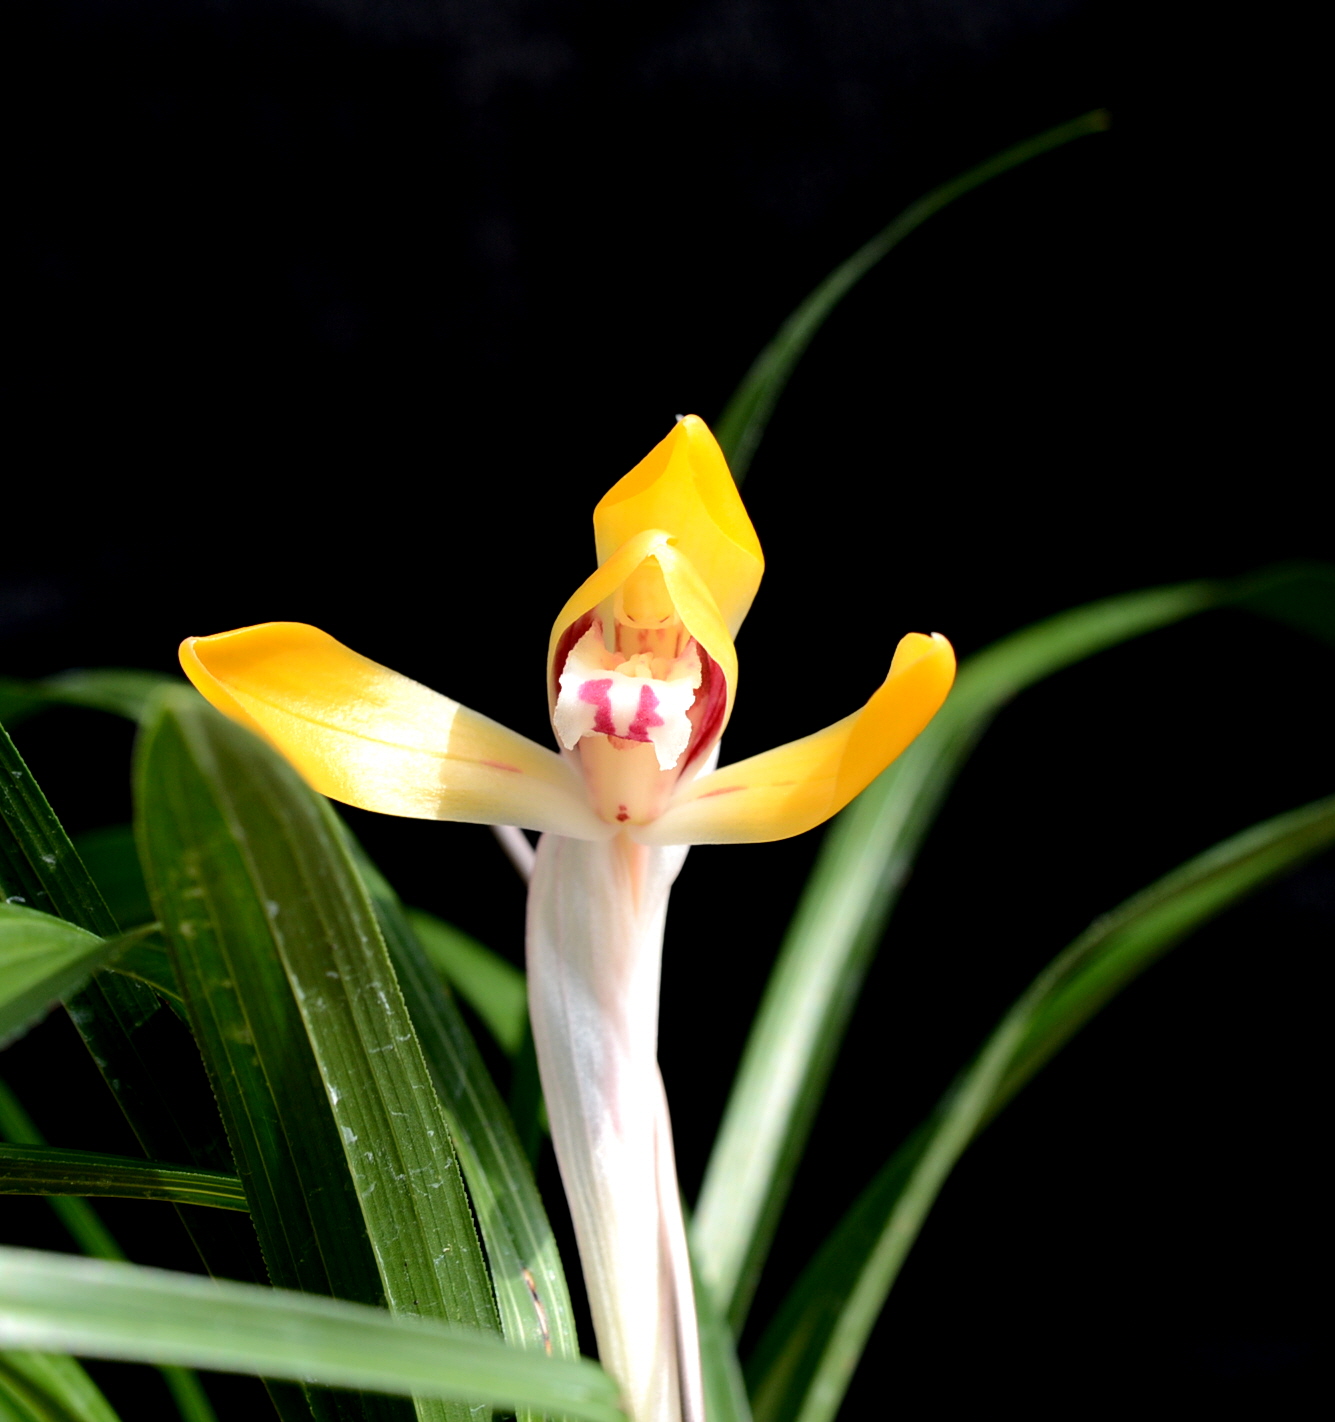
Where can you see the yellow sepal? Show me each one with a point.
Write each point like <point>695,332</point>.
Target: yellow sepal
<point>367,736</point>
<point>690,597</point>
<point>683,487</point>
<point>798,786</point>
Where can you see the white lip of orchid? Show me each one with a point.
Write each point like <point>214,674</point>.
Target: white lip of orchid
<point>636,698</point>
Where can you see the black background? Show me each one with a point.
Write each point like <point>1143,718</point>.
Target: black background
<point>349,313</point>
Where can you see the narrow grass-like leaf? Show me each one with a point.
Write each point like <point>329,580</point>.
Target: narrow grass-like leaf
<point>52,1301</point>
<point>146,1058</point>
<point>1300,594</point>
<point>725,1387</point>
<point>111,857</point>
<point>526,1272</point>
<point>93,1237</point>
<point>77,1215</point>
<point>863,863</point>
<point>149,962</point>
<point>38,865</point>
<point>287,1147</point>
<point>121,691</point>
<point>271,929</point>
<point>742,424</point>
<point>53,1170</point>
<point>493,988</point>
<point>42,959</point>
<point>45,1387</point>
<point>807,1357</point>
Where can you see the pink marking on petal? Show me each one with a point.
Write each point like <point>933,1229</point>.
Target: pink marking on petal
<point>645,715</point>
<point>725,790</point>
<point>598,694</point>
<point>500,765</point>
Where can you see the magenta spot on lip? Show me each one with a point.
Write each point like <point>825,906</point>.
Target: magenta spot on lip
<point>597,694</point>
<point>500,765</point>
<point>645,715</point>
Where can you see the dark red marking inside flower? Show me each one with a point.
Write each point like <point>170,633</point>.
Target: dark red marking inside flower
<point>706,715</point>
<point>646,715</point>
<point>623,814</point>
<point>598,695</point>
<point>564,643</point>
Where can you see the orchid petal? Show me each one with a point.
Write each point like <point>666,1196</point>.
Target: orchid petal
<point>800,785</point>
<point>369,737</point>
<point>683,487</point>
<point>690,595</point>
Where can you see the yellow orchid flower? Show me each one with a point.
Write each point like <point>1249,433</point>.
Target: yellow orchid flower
<point>641,680</point>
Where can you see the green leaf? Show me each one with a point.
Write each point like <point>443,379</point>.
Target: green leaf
<point>493,988</point>
<point>526,1272</point>
<point>112,859</point>
<point>96,1309</point>
<point>742,424</point>
<point>1300,594</point>
<point>807,1357</point>
<point>77,1215</point>
<point>724,1385</point>
<point>865,859</point>
<point>150,963</point>
<point>46,1387</point>
<point>93,1237</point>
<point>17,703</point>
<point>38,865</point>
<point>147,1070</point>
<point>339,1137</point>
<point>42,959</point>
<point>52,1170</point>
<point>121,691</point>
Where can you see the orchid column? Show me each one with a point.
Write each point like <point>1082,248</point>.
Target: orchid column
<point>641,679</point>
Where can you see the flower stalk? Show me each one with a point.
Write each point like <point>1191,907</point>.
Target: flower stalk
<point>595,937</point>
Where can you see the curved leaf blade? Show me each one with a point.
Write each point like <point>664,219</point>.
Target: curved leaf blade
<point>52,1170</point>
<point>98,1309</point>
<point>92,1236</point>
<point>742,424</point>
<point>119,1020</point>
<point>46,1387</point>
<point>525,1264</point>
<point>808,1355</point>
<point>863,863</point>
<point>119,690</point>
<point>42,959</point>
<point>294,996</point>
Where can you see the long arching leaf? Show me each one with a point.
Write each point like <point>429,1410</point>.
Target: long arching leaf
<point>742,424</point>
<point>808,1355</point>
<point>97,1309</point>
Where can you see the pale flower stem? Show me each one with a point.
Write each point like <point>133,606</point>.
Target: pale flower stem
<point>517,849</point>
<point>677,1257</point>
<point>595,936</point>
